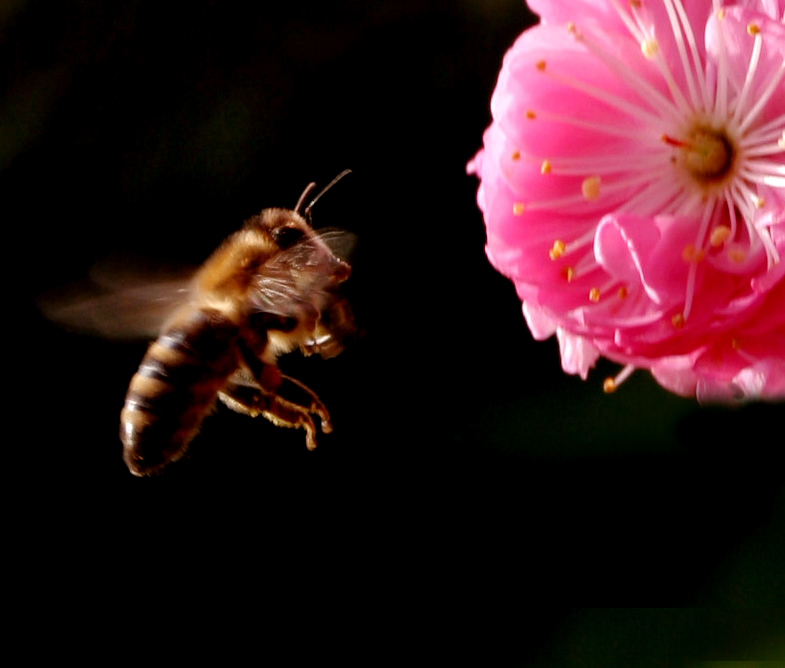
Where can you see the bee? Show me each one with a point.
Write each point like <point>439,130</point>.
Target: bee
<point>269,288</point>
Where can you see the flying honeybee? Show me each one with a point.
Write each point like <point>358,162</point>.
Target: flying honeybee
<point>268,289</point>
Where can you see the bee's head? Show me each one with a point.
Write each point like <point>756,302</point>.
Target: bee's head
<point>292,229</point>
<point>285,228</point>
<point>300,248</point>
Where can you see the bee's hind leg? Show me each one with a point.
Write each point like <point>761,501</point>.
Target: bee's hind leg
<point>316,406</point>
<point>249,397</point>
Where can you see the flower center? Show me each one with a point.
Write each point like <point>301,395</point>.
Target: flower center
<point>706,154</point>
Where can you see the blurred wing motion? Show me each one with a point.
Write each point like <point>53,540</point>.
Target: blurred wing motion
<point>119,301</point>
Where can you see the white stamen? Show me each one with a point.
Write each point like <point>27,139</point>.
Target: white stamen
<point>678,36</point>
<point>609,129</point>
<point>731,211</point>
<point>772,131</point>
<point>612,384</point>
<point>721,92</point>
<point>644,90</point>
<point>708,214</point>
<point>753,173</point>
<point>580,198</point>
<point>761,149</point>
<point>666,196</point>
<point>741,102</point>
<point>634,27</point>
<point>606,163</point>
<point>762,98</point>
<point>697,67</point>
<point>633,110</point>
<point>580,242</point>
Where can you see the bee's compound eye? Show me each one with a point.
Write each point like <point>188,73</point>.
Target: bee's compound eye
<point>286,236</point>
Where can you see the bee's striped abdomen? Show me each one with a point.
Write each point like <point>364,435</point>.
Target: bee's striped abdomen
<point>174,387</point>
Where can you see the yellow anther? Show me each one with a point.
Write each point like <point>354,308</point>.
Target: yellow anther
<point>691,254</point>
<point>720,14</point>
<point>752,29</point>
<point>540,65</point>
<point>516,155</point>
<point>649,48</point>
<point>518,208</point>
<point>622,292</point>
<point>759,202</point>
<point>557,250</point>
<point>594,295</point>
<point>678,320</point>
<point>609,385</point>
<point>591,188</point>
<point>719,235</point>
<point>530,114</point>
<point>737,255</point>
<point>568,273</point>
<point>545,167</point>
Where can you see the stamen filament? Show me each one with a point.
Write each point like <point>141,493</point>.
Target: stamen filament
<point>772,131</point>
<point>721,90</point>
<point>585,266</point>
<point>607,188</point>
<point>612,384</point>
<point>602,164</point>
<point>581,241</point>
<point>762,149</point>
<point>646,92</point>
<point>762,167</point>
<point>698,68</point>
<point>620,104</point>
<point>763,98</point>
<point>679,100</point>
<point>741,101</point>
<point>665,197</point>
<point>633,27</point>
<point>680,46</point>
<point>708,214</point>
<point>731,212</point>
<point>614,130</point>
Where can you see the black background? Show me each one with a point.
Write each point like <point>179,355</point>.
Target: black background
<point>463,459</point>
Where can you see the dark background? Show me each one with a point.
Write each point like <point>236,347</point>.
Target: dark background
<point>463,461</point>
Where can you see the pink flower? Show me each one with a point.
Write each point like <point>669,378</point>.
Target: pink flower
<point>633,188</point>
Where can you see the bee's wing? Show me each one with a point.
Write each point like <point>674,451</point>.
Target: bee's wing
<point>341,243</point>
<point>334,245</point>
<point>118,303</point>
<point>303,274</point>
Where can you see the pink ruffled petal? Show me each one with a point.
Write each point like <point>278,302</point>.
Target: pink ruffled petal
<point>623,246</point>
<point>578,355</point>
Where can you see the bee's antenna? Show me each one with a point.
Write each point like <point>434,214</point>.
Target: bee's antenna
<point>309,189</point>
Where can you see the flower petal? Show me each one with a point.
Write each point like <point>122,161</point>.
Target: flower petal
<point>578,355</point>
